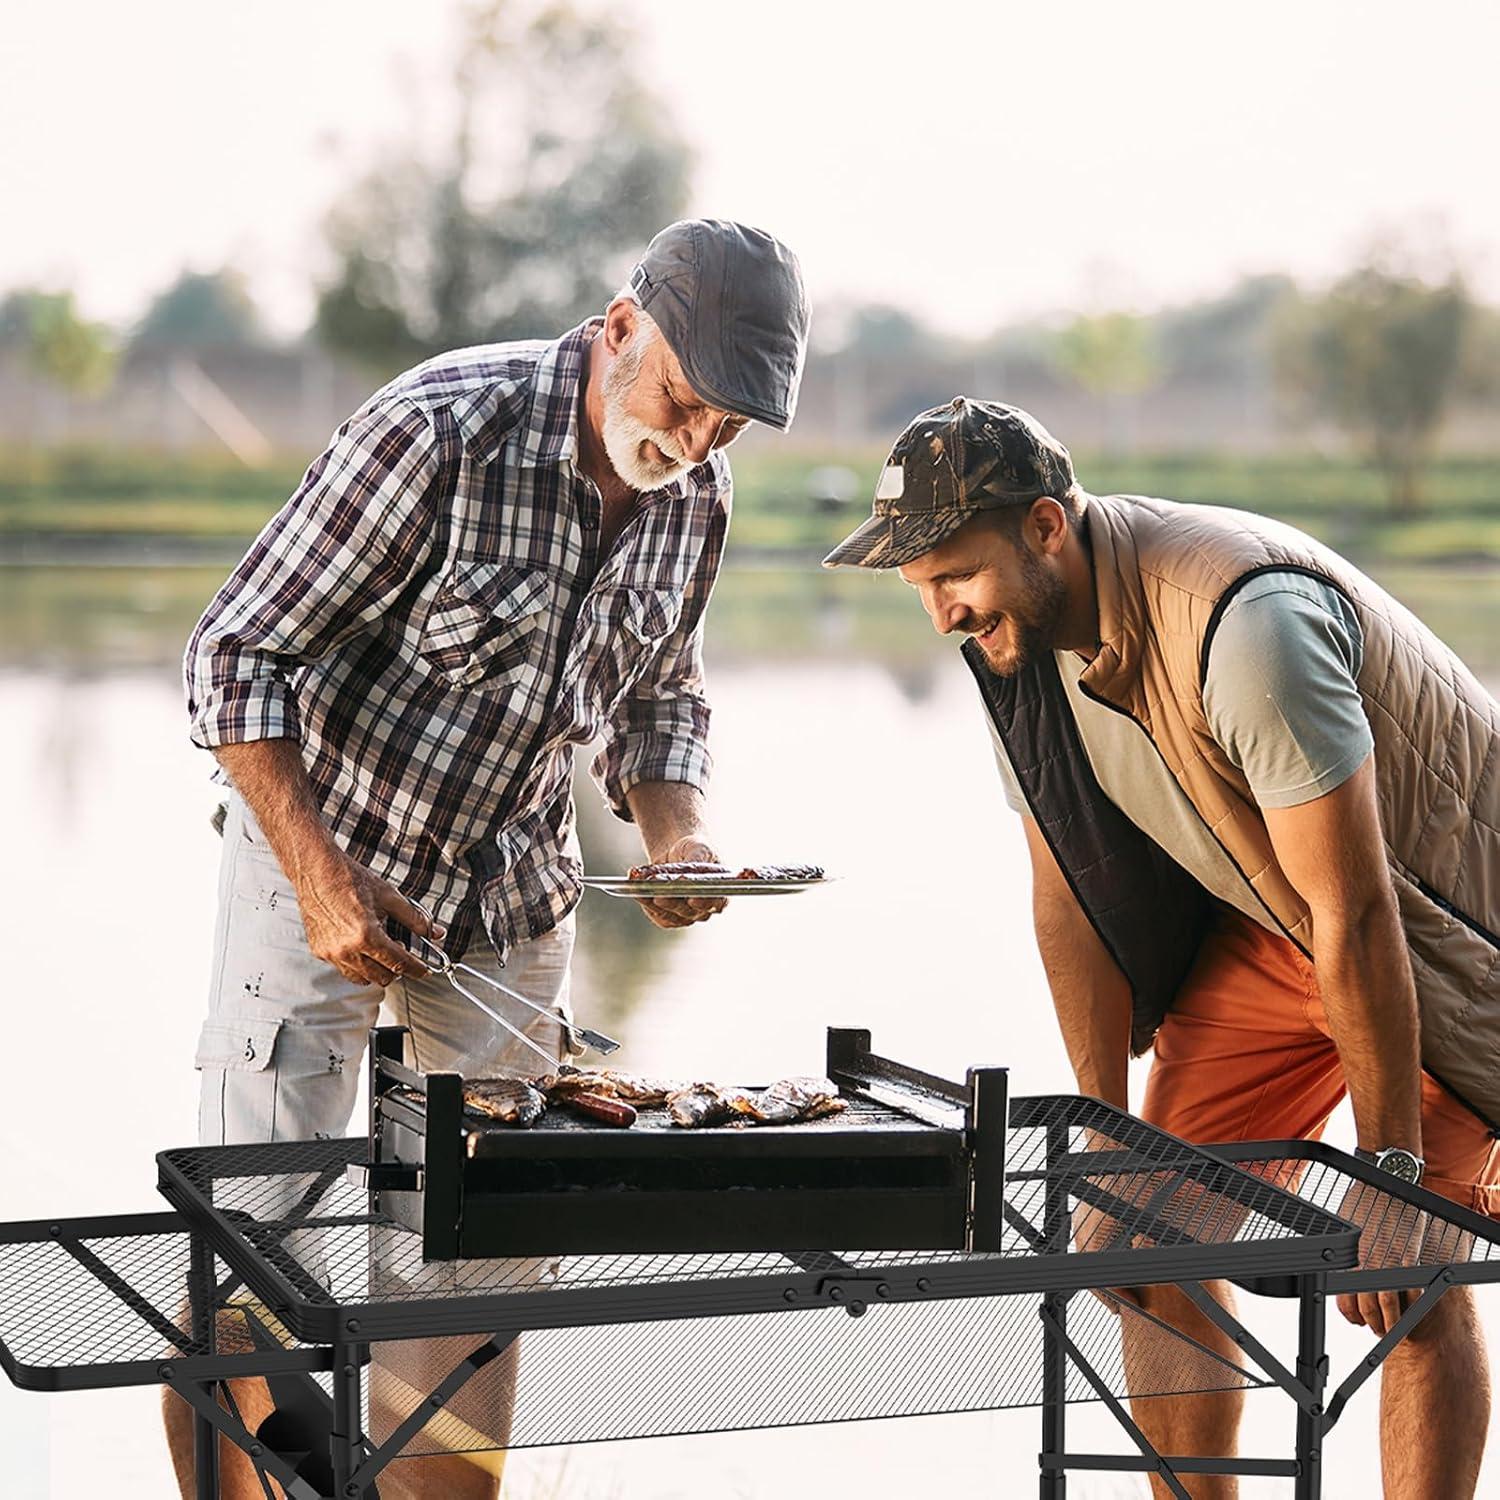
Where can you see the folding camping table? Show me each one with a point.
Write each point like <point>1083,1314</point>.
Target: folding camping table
<point>274,1264</point>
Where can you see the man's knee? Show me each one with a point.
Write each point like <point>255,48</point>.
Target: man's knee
<point>1452,1320</point>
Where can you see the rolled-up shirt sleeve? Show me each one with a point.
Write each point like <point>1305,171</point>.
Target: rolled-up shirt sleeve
<point>325,567</point>
<point>660,730</point>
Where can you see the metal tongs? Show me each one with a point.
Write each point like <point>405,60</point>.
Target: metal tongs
<point>580,1037</point>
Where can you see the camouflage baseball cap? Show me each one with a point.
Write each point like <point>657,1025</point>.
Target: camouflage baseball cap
<point>950,464</point>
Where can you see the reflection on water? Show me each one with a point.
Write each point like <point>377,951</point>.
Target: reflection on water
<point>845,733</point>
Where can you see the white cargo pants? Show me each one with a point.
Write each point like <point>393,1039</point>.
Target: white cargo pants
<point>281,1048</point>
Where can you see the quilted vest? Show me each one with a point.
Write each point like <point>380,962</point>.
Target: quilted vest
<point>1164,574</point>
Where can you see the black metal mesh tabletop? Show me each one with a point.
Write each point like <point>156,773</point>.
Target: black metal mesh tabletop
<point>480,1354</point>
<point>1407,1234</point>
<point>1094,1198</point>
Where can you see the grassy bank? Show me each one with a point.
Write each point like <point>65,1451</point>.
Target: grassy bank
<point>73,495</point>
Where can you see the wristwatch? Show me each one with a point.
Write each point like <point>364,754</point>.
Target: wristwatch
<point>1404,1165</point>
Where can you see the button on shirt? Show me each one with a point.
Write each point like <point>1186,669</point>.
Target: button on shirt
<point>429,616</point>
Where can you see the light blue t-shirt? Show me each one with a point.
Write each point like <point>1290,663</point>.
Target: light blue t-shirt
<point>1280,697</point>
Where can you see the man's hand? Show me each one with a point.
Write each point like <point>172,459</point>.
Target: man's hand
<point>1391,1234</point>
<point>670,817</point>
<point>679,911</point>
<point>344,907</point>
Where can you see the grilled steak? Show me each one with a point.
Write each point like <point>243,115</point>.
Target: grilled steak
<point>781,872</point>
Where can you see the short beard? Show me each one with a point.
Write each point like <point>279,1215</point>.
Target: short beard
<point>624,433</point>
<point>1035,620</point>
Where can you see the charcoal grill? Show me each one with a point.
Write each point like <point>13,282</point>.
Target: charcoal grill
<point>275,1263</point>
<point>912,1162</point>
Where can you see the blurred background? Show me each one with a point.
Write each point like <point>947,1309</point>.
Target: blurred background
<point>1227,255</point>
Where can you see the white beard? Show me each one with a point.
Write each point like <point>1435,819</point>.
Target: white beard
<point>624,434</point>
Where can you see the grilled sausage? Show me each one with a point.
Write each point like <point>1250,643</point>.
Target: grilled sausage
<point>607,1111</point>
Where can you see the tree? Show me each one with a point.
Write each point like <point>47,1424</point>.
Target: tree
<point>1381,356</point>
<point>1112,355</point>
<point>200,310</point>
<point>560,165</point>
<point>56,342</point>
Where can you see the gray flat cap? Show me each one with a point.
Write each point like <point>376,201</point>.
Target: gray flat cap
<point>730,301</point>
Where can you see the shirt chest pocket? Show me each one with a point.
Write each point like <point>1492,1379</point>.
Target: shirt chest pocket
<point>627,629</point>
<point>485,622</point>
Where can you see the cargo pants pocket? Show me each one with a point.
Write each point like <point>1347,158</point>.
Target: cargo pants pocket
<point>237,1101</point>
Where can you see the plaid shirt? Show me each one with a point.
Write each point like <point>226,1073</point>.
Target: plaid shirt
<point>430,616</point>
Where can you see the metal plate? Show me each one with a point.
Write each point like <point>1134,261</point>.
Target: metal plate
<point>623,885</point>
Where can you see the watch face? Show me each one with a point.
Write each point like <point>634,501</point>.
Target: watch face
<point>1400,1164</point>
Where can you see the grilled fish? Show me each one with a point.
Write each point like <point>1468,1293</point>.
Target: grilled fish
<point>784,1103</point>
<point>512,1101</point>
<point>789,1100</point>
<point>628,1088</point>
<point>702,1104</point>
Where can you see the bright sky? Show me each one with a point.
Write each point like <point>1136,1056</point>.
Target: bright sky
<point>975,160</point>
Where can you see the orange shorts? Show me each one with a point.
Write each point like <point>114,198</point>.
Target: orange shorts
<point>1245,1054</point>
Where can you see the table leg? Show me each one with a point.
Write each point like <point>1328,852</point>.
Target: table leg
<point>348,1417</point>
<point>1312,1371</point>
<point>205,1321</point>
<point>1056,1229</point>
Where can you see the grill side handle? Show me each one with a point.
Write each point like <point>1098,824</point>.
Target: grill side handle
<point>851,1064</point>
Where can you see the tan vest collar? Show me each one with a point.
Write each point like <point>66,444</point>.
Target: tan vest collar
<point>1114,673</point>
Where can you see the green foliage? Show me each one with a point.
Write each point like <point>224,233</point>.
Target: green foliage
<point>56,342</point>
<point>560,167</point>
<point>1381,356</point>
<point>1112,354</point>
<point>200,310</point>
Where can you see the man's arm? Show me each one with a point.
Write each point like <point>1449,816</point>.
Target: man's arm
<point>1333,852</point>
<point>343,904</point>
<point>654,767</point>
<point>326,567</point>
<point>1092,997</point>
<point>670,816</point>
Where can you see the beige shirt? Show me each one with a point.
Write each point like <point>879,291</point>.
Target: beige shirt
<point>1280,698</point>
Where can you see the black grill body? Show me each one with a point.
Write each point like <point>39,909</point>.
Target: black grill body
<point>912,1162</point>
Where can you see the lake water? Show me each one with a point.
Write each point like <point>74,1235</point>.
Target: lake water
<point>845,732</point>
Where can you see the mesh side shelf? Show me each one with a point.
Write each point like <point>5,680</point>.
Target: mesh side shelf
<point>82,1301</point>
<point>1406,1233</point>
<point>1093,1198</point>
<point>597,1384</point>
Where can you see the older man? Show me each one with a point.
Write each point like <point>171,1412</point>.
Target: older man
<point>506,553</point>
<point>1263,812</point>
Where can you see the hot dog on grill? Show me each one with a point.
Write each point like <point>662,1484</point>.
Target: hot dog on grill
<point>607,1111</point>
